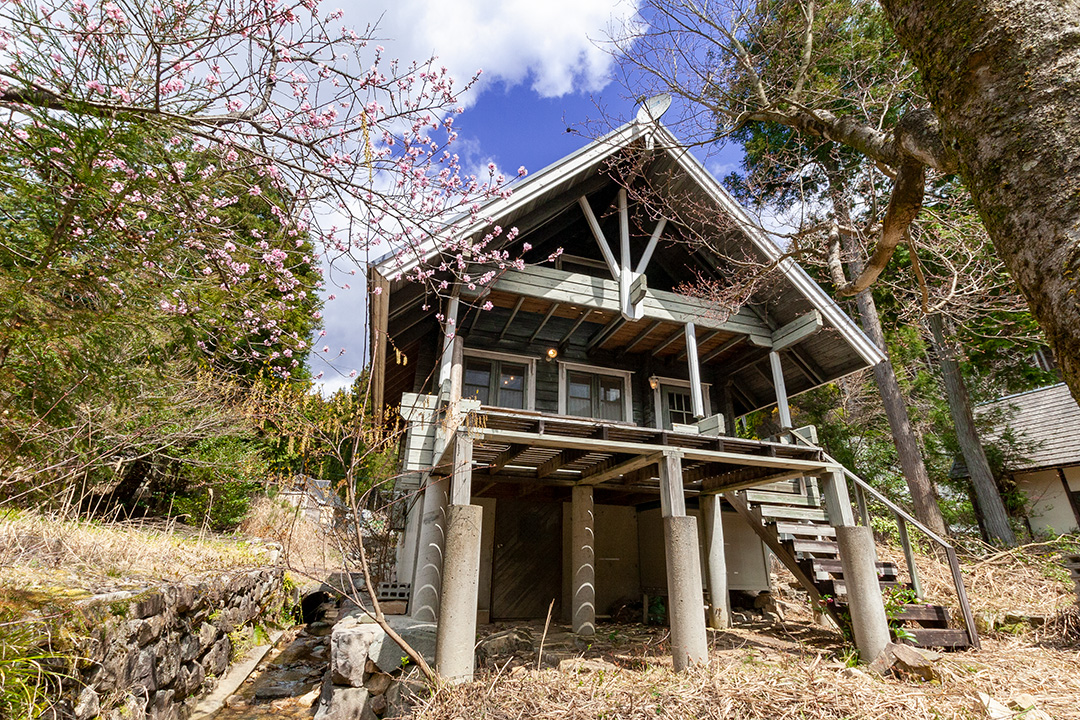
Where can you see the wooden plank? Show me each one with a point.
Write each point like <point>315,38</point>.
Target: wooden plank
<point>513,314</point>
<point>780,498</point>
<point>743,478</point>
<point>936,614</point>
<point>790,513</point>
<point>668,341</point>
<point>547,316</point>
<point>564,458</point>
<point>936,637</point>
<point>653,240</point>
<point>820,547</point>
<point>796,331</point>
<point>805,529</point>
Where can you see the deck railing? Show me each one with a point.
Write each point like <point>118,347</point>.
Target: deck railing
<point>903,520</point>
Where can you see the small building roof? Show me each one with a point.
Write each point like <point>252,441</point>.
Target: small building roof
<point>1047,418</point>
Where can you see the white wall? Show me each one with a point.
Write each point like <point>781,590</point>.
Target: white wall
<point>1049,510</point>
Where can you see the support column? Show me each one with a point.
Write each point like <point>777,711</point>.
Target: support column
<point>455,636</point>
<point>781,390</point>
<point>715,563</point>
<point>686,612</point>
<point>406,560</point>
<point>858,559</point>
<point>697,401</point>
<point>583,560</point>
<point>427,582</point>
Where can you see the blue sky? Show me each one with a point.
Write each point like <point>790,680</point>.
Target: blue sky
<point>545,70</point>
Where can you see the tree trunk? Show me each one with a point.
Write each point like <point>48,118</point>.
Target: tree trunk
<point>991,508</point>
<point>923,495</point>
<point>1003,76</point>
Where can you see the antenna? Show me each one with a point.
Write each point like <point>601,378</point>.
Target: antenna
<point>651,109</point>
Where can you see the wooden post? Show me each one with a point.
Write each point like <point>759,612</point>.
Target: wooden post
<point>781,390</point>
<point>461,479</point>
<point>672,497</point>
<point>697,402</point>
<point>837,501</point>
<point>449,333</point>
<point>380,320</point>
<point>909,556</point>
<point>625,272</point>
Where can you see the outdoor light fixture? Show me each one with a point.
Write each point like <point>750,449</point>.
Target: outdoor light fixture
<point>654,382</point>
<point>552,353</point>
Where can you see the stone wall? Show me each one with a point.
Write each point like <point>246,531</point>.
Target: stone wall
<point>152,654</point>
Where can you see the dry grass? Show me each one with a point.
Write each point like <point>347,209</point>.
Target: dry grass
<point>307,548</point>
<point>76,557</point>
<point>753,674</point>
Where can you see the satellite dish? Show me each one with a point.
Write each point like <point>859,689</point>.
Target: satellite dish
<point>651,109</point>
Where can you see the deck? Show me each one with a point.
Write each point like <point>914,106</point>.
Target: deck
<point>544,450</point>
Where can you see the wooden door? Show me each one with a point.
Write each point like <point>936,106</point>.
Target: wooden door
<point>527,560</point>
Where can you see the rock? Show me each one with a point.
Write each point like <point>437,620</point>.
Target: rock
<point>579,665</point>
<point>378,682</point>
<point>308,699</point>
<point>236,702</point>
<point>143,675</point>
<point>89,704</point>
<point>218,658</point>
<point>343,703</point>
<point>1016,617</point>
<point>377,705</point>
<point>906,661</point>
<point>151,602</point>
<point>993,709</point>
<point>189,679</point>
<point>168,662</point>
<point>515,641</point>
<point>851,672</point>
<point>207,635</point>
<point>350,649</point>
<point>162,706</point>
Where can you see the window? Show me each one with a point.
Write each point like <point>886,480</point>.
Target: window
<point>672,403</point>
<point>603,395</point>
<point>498,380</point>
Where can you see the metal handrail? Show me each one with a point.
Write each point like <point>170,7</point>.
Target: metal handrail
<point>902,519</point>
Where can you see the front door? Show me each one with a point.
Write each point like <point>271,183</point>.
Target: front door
<point>527,562</point>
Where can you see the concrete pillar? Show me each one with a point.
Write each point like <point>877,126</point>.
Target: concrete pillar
<point>427,580</point>
<point>406,559</point>
<point>858,559</point>
<point>715,563</point>
<point>455,637</point>
<point>686,612</point>
<point>583,560</point>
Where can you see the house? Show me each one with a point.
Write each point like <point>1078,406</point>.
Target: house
<point>1044,421</point>
<point>570,422</point>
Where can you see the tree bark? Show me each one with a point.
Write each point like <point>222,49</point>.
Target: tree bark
<point>995,518</point>
<point>1004,79</point>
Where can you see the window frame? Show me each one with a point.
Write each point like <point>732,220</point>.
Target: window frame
<point>530,374</point>
<point>628,389</point>
<point>658,414</point>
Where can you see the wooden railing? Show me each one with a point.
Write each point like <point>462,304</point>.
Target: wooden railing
<point>903,520</point>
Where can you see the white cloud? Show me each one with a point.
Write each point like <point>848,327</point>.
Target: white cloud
<point>548,44</point>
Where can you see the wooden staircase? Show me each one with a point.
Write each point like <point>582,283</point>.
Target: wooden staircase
<point>790,518</point>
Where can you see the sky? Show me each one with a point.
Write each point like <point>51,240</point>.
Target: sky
<point>545,75</point>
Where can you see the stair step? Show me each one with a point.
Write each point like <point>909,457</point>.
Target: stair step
<point>787,486</point>
<point>764,497</point>
<point>885,570</point>
<point>929,616</point>
<point>938,637</point>
<point>818,547</point>
<point>805,530</point>
<point>792,513</point>
<point>838,588</point>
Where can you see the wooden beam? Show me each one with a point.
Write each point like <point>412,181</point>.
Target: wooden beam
<point>666,342</point>
<point>672,494</point>
<point>647,255</point>
<point>721,349</point>
<point>449,331</point>
<point>704,340</point>
<point>797,330</point>
<point>641,336</point>
<point>576,325</point>
<point>506,457</point>
<point>598,234</point>
<point>614,467</point>
<point>744,478</point>
<point>461,477</point>
<point>513,314</point>
<point>380,322</point>
<point>604,334</point>
<point>547,316</point>
<point>602,294</point>
<point>625,273</point>
<point>564,458</point>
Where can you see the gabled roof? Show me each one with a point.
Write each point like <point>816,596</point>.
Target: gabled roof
<point>1046,418</point>
<point>708,235</point>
